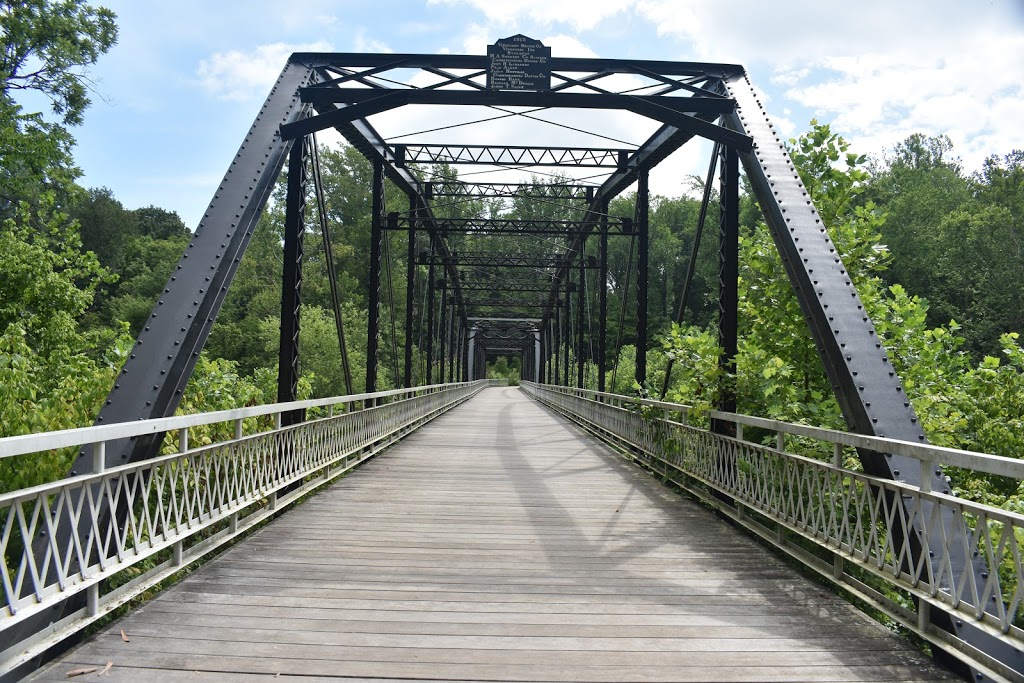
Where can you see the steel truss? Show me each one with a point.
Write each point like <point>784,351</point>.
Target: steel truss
<point>507,226</point>
<point>683,100</point>
<point>468,190</point>
<point>589,157</point>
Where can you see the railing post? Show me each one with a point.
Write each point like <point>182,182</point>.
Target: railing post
<point>99,465</point>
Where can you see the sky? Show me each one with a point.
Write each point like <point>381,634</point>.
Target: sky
<point>174,98</point>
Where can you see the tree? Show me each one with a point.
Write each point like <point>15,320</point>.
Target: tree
<point>48,47</point>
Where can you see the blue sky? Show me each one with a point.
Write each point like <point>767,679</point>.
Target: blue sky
<point>176,95</point>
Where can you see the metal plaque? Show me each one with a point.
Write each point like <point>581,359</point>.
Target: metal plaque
<point>518,63</point>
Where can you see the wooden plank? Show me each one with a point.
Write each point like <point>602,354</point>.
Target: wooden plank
<point>498,543</point>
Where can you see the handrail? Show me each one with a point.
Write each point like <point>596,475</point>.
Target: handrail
<point>80,534</point>
<point>936,455</point>
<point>875,538</point>
<point>82,436</point>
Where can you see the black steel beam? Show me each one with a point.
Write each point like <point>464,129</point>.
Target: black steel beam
<point>373,306</point>
<point>291,280</point>
<point>602,293</point>
<point>556,191</point>
<point>643,253</point>
<point>581,294</point>
<point>510,155</point>
<point>672,111</point>
<point>511,226</point>
<point>410,292</point>
<point>871,395</point>
<point>363,60</point>
<point>728,277</point>
<point>486,260</point>
<point>361,135</point>
<point>153,378</point>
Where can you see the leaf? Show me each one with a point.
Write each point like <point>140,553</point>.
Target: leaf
<point>106,669</point>
<point>124,636</point>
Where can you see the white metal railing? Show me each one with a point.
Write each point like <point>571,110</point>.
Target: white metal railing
<point>60,539</point>
<point>887,542</point>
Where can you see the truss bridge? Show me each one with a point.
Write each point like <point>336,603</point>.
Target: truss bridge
<point>428,523</point>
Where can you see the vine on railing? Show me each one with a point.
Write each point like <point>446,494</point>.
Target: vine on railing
<point>890,544</point>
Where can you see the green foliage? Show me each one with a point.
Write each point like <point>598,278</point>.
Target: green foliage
<point>47,47</point>
<point>502,369</point>
<point>52,374</point>
<point>962,402</point>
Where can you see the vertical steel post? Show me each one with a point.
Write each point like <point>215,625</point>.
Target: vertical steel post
<point>602,292</point>
<point>451,342</point>
<point>643,245</point>
<point>581,296</point>
<point>556,329</point>
<point>376,239</point>
<point>537,372</point>
<point>431,332</point>
<point>567,326</point>
<point>291,282</point>
<point>466,350</point>
<point>410,287</point>
<point>443,329</point>
<point>542,362</point>
<point>728,276</point>
<point>471,362</point>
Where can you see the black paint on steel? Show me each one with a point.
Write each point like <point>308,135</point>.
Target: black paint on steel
<point>602,297</point>
<point>443,328</point>
<point>410,292</point>
<point>692,265</point>
<point>470,190</point>
<point>728,278</point>
<point>291,280</point>
<point>431,327</point>
<point>567,327</point>
<point>376,239</point>
<point>870,393</point>
<point>556,342</point>
<point>513,226</point>
<point>643,253</point>
<point>581,292</point>
<point>508,155</point>
<point>361,103</point>
<point>153,378</point>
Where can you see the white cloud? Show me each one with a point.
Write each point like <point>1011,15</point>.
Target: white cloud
<point>240,76</point>
<point>364,43</point>
<point>581,15</point>
<point>568,46</point>
<point>877,70</point>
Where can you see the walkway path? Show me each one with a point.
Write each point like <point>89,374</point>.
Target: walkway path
<point>498,543</point>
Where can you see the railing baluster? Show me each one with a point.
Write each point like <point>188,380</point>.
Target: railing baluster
<point>847,513</point>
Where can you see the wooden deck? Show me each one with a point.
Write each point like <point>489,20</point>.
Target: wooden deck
<point>498,543</point>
